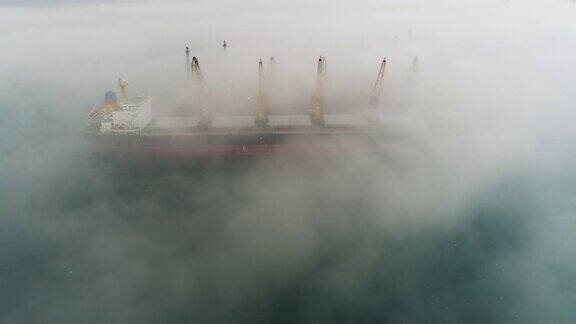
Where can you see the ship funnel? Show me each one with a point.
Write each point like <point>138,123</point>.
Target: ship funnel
<point>205,116</point>
<point>261,108</point>
<point>110,101</point>
<point>316,115</point>
<point>377,89</point>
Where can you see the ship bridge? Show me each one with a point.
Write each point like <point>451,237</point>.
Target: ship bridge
<point>130,115</point>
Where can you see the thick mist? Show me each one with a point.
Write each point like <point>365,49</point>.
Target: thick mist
<point>467,216</point>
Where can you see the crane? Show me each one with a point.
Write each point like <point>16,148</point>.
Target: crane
<point>377,89</point>
<point>272,71</point>
<point>316,115</point>
<point>261,108</point>
<point>187,52</point>
<point>205,117</point>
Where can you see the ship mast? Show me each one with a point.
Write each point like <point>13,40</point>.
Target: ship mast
<point>377,89</point>
<point>122,84</point>
<point>316,115</point>
<point>205,117</point>
<point>261,108</point>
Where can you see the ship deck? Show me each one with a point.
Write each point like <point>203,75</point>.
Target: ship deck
<point>244,125</point>
<point>239,136</point>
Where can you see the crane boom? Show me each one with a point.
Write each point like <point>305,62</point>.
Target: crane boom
<point>377,90</point>
<point>187,52</point>
<point>261,108</point>
<point>317,98</point>
<point>205,116</point>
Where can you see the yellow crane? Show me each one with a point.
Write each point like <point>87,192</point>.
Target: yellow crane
<point>188,67</point>
<point>272,72</point>
<point>377,90</point>
<point>205,117</point>
<point>317,111</point>
<point>261,106</point>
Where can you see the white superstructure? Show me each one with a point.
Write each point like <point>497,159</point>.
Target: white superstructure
<point>132,115</point>
<point>129,115</point>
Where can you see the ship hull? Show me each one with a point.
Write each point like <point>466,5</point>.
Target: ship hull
<point>237,144</point>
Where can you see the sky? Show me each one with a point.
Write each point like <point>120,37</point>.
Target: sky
<point>468,217</point>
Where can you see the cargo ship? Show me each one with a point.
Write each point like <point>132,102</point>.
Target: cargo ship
<point>126,125</point>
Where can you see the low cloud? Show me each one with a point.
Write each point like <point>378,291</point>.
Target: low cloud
<point>464,215</point>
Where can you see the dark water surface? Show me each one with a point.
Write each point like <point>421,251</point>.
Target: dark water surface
<point>357,239</point>
<point>268,241</point>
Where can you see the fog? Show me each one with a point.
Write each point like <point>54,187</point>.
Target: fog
<point>467,216</point>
